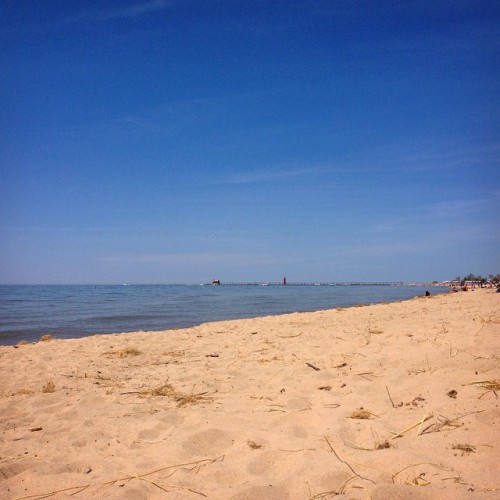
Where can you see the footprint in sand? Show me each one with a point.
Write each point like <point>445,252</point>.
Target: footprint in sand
<point>209,442</point>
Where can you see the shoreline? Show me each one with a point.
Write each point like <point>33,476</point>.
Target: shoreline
<point>390,400</point>
<point>75,312</point>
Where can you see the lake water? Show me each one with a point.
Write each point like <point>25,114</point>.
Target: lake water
<point>28,312</point>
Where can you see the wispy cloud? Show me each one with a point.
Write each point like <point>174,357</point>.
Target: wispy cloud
<point>123,12</point>
<point>440,157</point>
<point>225,259</point>
<point>458,208</point>
<point>432,155</point>
<point>134,10</point>
<point>387,249</point>
<point>178,258</point>
<point>270,175</point>
<point>395,246</point>
<point>452,212</point>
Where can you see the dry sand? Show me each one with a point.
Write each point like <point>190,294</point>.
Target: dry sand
<point>384,401</point>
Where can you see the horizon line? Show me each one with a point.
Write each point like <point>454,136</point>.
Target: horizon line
<point>243,283</point>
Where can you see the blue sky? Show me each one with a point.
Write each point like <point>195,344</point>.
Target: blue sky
<point>176,141</point>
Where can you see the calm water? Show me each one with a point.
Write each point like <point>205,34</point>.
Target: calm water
<point>28,312</point>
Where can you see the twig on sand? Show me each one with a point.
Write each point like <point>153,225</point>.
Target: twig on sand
<point>51,493</point>
<point>187,466</point>
<point>150,442</point>
<point>164,487</point>
<point>289,336</point>
<point>296,451</point>
<point>389,394</point>
<point>313,367</point>
<point>344,462</point>
<point>331,405</point>
<point>271,409</point>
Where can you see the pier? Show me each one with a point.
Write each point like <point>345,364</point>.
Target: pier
<point>322,283</point>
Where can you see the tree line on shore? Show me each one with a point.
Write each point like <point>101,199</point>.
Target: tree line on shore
<point>492,278</point>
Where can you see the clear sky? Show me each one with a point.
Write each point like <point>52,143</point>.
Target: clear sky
<point>176,141</point>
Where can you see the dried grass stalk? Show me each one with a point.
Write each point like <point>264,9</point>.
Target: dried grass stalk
<point>418,480</point>
<point>50,387</point>
<point>125,353</point>
<point>362,414</point>
<point>24,391</point>
<point>163,390</point>
<point>491,385</point>
<point>182,399</point>
<point>445,423</point>
<point>191,399</point>
<point>464,448</point>
<point>420,422</point>
<point>190,466</point>
<point>441,424</point>
<point>269,360</point>
<point>254,445</point>
<point>383,445</point>
<point>346,463</point>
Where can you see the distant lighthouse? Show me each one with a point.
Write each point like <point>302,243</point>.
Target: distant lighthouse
<point>284,280</point>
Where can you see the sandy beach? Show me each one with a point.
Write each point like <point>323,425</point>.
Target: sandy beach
<point>384,401</point>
